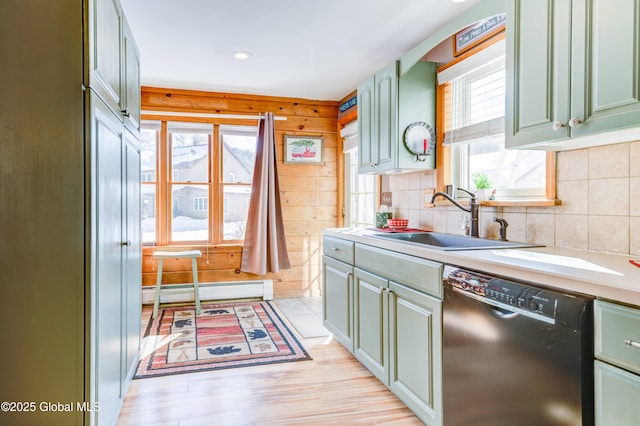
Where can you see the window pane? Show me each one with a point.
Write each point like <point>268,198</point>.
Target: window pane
<point>149,133</point>
<point>148,213</point>
<point>238,161</point>
<point>236,208</point>
<point>239,157</point>
<point>360,194</point>
<point>189,221</point>
<point>508,169</point>
<point>190,151</point>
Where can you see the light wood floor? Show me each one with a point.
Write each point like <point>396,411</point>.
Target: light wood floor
<point>331,389</point>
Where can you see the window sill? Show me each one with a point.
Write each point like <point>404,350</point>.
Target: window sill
<point>223,247</point>
<point>507,203</point>
<point>521,203</point>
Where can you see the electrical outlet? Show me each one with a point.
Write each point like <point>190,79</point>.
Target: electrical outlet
<point>428,195</point>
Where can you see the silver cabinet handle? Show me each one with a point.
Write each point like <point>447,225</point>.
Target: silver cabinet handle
<point>631,343</point>
<point>574,122</point>
<point>557,125</point>
<point>335,249</point>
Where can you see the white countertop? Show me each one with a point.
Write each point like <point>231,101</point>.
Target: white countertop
<point>604,275</point>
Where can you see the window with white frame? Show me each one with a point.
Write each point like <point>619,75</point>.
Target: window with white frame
<point>200,204</point>
<point>361,191</point>
<point>474,123</point>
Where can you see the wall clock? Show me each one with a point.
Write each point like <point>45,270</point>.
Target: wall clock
<point>420,139</point>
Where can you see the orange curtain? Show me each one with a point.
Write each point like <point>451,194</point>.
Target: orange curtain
<point>265,247</point>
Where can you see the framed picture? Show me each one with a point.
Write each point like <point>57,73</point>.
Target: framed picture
<point>303,149</point>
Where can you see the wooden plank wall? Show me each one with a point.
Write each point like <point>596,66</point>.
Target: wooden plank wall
<point>308,192</point>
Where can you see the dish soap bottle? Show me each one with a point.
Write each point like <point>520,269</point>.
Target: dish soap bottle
<point>465,226</point>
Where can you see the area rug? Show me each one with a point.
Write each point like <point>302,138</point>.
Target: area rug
<point>223,336</point>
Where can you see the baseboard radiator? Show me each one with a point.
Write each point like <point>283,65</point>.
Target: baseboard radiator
<point>183,293</point>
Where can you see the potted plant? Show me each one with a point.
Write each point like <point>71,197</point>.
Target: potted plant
<point>482,183</point>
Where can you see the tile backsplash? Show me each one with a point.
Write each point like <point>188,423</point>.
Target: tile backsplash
<point>600,193</point>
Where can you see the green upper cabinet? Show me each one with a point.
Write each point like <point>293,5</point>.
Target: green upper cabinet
<point>366,154</point>
<point>377,120</point>
<point>573,73</point>
<point>387,104</point>
<point>114,61</point>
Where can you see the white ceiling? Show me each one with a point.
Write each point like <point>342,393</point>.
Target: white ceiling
<point>312,49</point>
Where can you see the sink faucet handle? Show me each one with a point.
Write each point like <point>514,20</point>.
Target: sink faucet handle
<point>503,227</point>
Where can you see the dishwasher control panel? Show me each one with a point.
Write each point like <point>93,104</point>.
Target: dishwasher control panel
<point>504,294</point>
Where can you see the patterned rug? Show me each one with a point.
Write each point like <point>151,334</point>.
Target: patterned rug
<point>225,335</point>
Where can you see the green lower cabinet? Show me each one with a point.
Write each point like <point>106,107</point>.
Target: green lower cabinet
<point>415,339</point>
<point>617,396</point>
<point>398,337</point>
<point>370,323</point>
<point>337,314</point>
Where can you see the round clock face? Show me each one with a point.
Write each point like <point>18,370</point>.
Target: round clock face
<point>419,138</point>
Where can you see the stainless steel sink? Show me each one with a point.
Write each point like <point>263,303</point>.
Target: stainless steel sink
<point>452,241</point>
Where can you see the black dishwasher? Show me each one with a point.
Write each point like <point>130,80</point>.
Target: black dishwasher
<point>515,353</point>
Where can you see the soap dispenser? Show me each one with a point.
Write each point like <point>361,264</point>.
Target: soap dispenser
<point>465,226</point>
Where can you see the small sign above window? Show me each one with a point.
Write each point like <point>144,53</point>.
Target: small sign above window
<point>477,33</point>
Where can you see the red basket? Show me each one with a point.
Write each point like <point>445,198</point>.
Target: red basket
<point>397,223</point>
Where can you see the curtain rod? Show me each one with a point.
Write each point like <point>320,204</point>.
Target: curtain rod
<point>206,115</point>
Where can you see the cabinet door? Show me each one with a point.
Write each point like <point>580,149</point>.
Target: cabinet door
<point>386,117</point>
<point>132,256</point>
<point>107,133</point>
<point>337,315</point>
<point>617,393</point>
<point>131,92</point>
<point>370,323</point>
<point>538,71</point>
<point>606,70</point>
<point>367,155</point>
<point>415,342</point>
<point>105,41</point>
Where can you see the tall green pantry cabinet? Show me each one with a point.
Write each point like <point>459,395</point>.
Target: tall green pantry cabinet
<point>69,211</point>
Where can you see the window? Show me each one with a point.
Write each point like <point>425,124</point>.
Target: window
<point>238,159</point>
<point>474,129</point>
<point>361,191</point>
<point>149,138</point>
<point>189,147</point>
<point>200,204</point>
<point>197,162</point>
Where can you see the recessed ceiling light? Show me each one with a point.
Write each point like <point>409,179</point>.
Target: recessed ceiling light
<point>242,55</point>
<point>458,1</point>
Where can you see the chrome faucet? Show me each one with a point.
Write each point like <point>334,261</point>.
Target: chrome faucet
<point>474,207</point>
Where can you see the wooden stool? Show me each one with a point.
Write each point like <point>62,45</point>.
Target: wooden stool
<point>161,255</point>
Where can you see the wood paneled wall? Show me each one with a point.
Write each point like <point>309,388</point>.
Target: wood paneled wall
<point>308,192</point>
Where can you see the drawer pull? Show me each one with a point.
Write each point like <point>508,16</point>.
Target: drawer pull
<point>632,343</point>
<point>335,249</point>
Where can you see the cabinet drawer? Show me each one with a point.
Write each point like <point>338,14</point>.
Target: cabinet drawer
<point>617,327</point>
<point>338,249</point>
<point>420,274</point>
<point>617,393</point>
